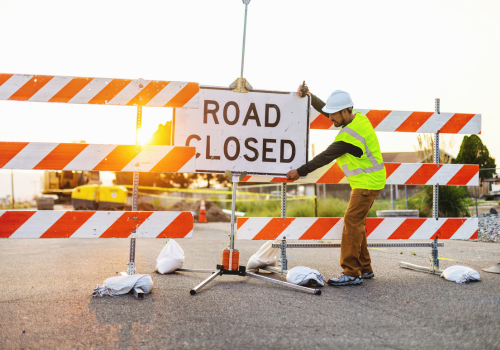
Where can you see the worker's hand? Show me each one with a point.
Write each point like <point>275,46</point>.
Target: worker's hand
<point>292,175</point>
<point>299,92</point>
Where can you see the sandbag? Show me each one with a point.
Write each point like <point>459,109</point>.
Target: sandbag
<point>265,256</point>
<point>460,274</point>
<point>303,276</point>
<point>171,258</point>
<point>123,284</point>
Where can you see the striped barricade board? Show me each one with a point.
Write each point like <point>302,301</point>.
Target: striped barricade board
<point>376,228</point>
<point>400,121</point>
<point>397,174</point>
<point>103,91</point>
<point>82,156</point>
<point>95,224</point>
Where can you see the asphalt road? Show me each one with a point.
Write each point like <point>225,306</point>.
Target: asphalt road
<point>46,303</point>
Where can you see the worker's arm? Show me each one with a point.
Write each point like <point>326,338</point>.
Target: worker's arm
<point>318,104</point>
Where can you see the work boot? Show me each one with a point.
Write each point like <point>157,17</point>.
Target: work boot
<point>344,280</point>
<point>367,275</point>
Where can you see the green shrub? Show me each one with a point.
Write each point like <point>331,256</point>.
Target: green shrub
<point>453,201</point>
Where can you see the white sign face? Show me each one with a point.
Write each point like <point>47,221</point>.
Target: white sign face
<point>260,132</point>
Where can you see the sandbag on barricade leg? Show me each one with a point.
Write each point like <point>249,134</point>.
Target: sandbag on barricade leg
<point>123,284</point>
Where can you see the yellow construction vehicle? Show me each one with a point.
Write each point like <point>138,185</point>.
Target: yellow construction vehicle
<point>62,183</point>
<point>96,197</point>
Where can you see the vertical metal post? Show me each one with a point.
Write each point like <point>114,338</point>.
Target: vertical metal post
<point>406,197</point>
<point>283,259</point>
<point>475,195</point>
<point>283,200</point>
<point>244,38</point>
<point>324,194</point>
<point>392,197</point>
<point>435,193</point>
<point>135,194</point>
<point>12,183</point>
<point>233,208</point>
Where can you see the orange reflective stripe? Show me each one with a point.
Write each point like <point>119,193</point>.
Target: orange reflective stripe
<point>376,117</point>
<point>68,224</point>
<point>70,90</point>
<point>122,228</point>
<point>9,150</point>
<point>320,228</point>
<point>414,121</point>
<point>4,78</point>
<point>274,228</point>
<point>321,122</point>
<point>110,91</point>
<point>30,88</point>
<point>175,159</point>
<point>456,123</point>
<point>10,221</point>
<point>118,158</point>
<point>423,174</point>
<point>464,175</point>
<point>448,229</point>
<point>240,222</point>
<point>407,229</point>
<point>178,228</point>
<point>372,224</point>
<point>60,156</point>
<point>147,94</point>
<point>390,168</point>
<point>184,95</point>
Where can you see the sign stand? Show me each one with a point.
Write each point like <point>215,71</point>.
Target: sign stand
<point>234,269</point>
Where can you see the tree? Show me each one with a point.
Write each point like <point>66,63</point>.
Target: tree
<point>474,151</point>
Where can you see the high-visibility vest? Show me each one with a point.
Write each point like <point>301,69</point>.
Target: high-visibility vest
<point>368,171</point>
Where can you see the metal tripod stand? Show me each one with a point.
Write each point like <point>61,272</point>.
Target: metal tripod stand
<point>241,271</point>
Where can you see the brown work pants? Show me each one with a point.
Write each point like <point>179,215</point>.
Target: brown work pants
<point>354,255</point>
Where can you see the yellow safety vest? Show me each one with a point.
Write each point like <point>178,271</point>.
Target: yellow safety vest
<point>367,172</point>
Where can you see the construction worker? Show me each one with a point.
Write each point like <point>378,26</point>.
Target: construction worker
<point>357,152</point>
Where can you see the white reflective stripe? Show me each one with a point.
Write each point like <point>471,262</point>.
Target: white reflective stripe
<point>386,228</point>
<point>376,166</point>
<point>435,122</point>
<point>445,174</point>
<point>97,224</point>
<point>89,158</point>
<point>31,155</point>
<point>297,228</point>
<point>467,229</point>
<point>90,90</point>
<point>166,94</point>
<point>156,223</point>
<point>429,225</point>
<point>50,89</point>
<point>403,173</point>
<point>336,231</point>
<point>38,224</point>
<point>189,167</point>
<point>14,83</point>
<point>393,120</point>
<point>473,126</point>
<point>251,228</point>
<point>147,158</point>
<point>129,92</point>
<point>474,181</point>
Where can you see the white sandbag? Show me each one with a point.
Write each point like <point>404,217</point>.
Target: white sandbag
<point>460,274</point>
<point>302,276</point>
<point>265,256</point>
<point>171,257</point>
<point>123,284</point>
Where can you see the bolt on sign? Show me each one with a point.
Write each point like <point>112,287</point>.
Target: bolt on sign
<point>261,132</point>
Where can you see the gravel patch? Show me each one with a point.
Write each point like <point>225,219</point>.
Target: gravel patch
<point>489,228</point>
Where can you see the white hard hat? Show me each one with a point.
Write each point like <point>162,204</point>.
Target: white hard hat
<point>337,101</point>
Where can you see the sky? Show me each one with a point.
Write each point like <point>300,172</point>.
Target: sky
<point>397,55</point>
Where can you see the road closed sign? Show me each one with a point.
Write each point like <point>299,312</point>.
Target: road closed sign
<point>260,132</point>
